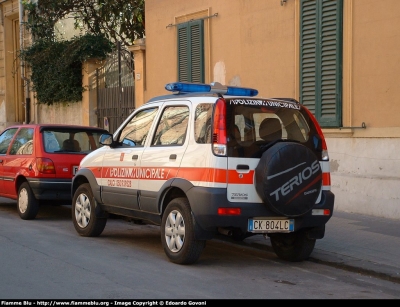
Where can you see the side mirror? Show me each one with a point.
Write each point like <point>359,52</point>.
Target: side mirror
<point>106,139</point>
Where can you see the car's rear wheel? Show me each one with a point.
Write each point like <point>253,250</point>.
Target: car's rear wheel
<point>27,204</point>
<point>84,217</point>
<point>177,233</point>
<point>292,247</point>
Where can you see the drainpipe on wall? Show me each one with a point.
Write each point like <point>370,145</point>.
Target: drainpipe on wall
<point>24,79</point>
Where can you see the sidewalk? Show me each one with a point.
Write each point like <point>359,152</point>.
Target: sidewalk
<point>354,242</point>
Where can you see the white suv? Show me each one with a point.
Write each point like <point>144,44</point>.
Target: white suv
<point>211,159</point>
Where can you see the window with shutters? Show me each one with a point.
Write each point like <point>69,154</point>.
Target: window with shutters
<point>191,51</point>
<point>321,59</point>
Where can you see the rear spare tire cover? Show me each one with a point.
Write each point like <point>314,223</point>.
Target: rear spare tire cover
<point>289,178</point>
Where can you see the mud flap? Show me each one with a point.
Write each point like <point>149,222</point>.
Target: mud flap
<point>200,233</point>
<point>316,232</point>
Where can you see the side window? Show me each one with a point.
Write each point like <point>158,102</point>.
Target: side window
<point>23,142</point>
<point>202,123</point>
<point>136,131</point>
<point>172,127</point>
<point>5,139</point>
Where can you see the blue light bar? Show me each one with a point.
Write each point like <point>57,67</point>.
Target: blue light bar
<point>215,87</point>
<point>187,87</point>
<point>241,91</point>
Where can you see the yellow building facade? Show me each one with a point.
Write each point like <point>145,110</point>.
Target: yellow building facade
<point>17,100</point>
<point>265,44</point>
<point>259,44</point>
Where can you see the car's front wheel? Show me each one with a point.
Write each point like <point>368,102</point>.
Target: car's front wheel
<point>84,217</point>
<point>294,247</point>
<point>27,204</point>
<point>177,233</point>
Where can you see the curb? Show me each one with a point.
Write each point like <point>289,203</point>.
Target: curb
<point>343,262</point>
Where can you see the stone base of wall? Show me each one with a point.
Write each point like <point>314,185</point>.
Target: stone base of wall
<point>60,113</point>
<point>365,175</point>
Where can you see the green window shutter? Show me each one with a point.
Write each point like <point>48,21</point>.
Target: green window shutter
<point>321,59</point>
<point>191,51</point>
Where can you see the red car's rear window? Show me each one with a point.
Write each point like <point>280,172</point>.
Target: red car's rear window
<point>68,140</point>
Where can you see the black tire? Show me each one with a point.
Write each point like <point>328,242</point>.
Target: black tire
<point>289,178</point>
<point>294,247</point>
<point>177,233</point>
<point>86,223</point>
<point>27,204</point>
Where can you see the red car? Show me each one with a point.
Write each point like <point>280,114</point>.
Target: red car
<point>38,162</point>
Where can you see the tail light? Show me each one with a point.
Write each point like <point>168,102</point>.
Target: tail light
<point>326,174</point>
<point>219,142</point>
<point>229,211</point>
<point>324,147</point>
<point>45,166</point>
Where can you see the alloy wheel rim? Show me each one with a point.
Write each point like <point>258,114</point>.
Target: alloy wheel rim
<point>175,231</point>
<point>23,200</point>
<point>82,210</point>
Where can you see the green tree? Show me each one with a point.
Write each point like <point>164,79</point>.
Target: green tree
<point>117,20</point>
<point>56,64</point>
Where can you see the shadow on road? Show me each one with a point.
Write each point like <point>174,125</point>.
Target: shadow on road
<point>46,211</point>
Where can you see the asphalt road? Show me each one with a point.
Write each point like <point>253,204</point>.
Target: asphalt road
<point>46,259</point>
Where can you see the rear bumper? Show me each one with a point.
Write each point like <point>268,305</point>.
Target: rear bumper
<point>206,201</point>
<point>51,189</point>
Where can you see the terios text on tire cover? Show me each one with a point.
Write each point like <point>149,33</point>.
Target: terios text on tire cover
<point>209,159</point>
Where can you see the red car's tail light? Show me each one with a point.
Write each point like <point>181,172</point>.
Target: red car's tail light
<point>45,166</point>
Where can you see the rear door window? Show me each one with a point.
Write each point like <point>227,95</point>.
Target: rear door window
<point>252,127</point>
<point>172,127</point>
<point>75,140</point>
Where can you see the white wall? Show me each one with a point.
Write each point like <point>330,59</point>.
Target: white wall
<point>60,113</point>
<point>365,175</point>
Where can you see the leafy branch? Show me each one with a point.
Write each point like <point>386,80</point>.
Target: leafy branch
<point>56,64</point>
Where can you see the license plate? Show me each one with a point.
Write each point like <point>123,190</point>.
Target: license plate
<point>75,169</point>
<point>270,225</point>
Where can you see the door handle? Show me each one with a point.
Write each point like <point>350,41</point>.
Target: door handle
<point>1,160</point>
<point>135,157</point>
<point>242,167</point>
<point>172,157</point>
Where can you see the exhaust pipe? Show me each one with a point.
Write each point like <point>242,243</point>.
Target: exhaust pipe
<point>225,231</point>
